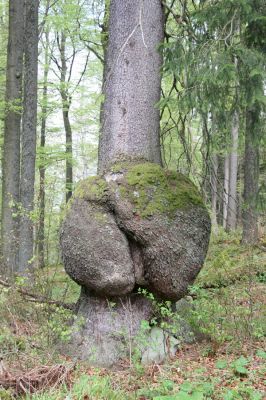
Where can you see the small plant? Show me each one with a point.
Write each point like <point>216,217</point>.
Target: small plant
<point>240,366</point>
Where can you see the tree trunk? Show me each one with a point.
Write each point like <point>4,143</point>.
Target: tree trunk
<point>231,220</point>
<point>28,142</point>
<point>41,236</point>
<point>226,189</point>
<point>111,245</point>
<point>131,122</point>
<point>251,176</point>
<point>214,192</point>
<point>11,148</point>
<point>66,102</point>
<point>130,130</point>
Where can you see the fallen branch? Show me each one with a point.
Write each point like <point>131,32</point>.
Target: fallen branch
<point>39,378</point>
<point>35,298</point>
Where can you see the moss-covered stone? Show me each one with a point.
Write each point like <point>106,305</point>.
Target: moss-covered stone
<point>154,190</point>
<point>93,188</point>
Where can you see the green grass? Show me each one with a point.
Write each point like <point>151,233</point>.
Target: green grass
<point>228,365</point>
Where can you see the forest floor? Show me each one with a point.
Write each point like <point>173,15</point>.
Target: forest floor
<point>229,364</point>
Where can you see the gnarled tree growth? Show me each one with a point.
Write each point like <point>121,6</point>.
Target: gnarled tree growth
<point>135,224</point>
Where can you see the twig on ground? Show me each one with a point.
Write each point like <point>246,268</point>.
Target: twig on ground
<point>36,379</point>
<point>35,298</point>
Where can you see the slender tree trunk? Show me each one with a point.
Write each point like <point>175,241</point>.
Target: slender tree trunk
<point>11,148</point>
<point>220,184</point>
<point>41,236</point>
<point>66,102</point>
<point>251,176</point>
<point>130,127</point>
<point>28,143</point>
<point>226,189</point>
<point>214,192</point>
<point>233,169</point>
<point>69,152</point>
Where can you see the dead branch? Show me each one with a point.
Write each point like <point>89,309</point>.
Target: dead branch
<point>36,379</point>
<point>35,298</point>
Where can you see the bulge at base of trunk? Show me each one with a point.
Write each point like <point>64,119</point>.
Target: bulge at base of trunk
<point>138,225</point>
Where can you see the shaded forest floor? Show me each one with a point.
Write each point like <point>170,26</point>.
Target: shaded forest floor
<point>228,308</point>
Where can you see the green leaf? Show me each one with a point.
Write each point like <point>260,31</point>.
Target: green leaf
<point>168,384</point>
<point>261,353</point>
<point>229,395</point>
<point>221,364</point>
<point>256,72</point>
<point>239,366</point>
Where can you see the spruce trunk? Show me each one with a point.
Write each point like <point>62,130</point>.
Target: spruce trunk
<point>130,119</point>
<point>251,177</point>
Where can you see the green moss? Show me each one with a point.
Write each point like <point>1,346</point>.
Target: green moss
<point>154,190</point>
<point>93,188</point>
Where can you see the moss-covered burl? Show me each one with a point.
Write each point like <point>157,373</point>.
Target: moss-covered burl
<point>140,225</point>
<point>137,226</point>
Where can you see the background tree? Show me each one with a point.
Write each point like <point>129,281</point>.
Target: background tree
<point>11,146</point>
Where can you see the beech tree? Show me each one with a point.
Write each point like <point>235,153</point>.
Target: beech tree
<point>20,145</point>
<point>29,134</point>
<point>134,225</point>
<point>12,132</point>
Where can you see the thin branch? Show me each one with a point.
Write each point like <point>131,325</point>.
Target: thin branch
<point>37,298</point>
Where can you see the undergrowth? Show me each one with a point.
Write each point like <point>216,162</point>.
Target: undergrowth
<point>227,307</point>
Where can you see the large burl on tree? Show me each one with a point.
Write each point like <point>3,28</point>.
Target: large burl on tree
<point>135,225</point>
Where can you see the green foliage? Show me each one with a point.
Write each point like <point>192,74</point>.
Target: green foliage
<point>228,261</point>
<point>190,391</point>
<point>240,366</point>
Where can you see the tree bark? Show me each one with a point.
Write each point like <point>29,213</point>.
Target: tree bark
<point>130,130</point>
<point>110,246</point>
<point>66,102</point>
<point>28,142</point>
<point>231,220</point>
<point>214,192</point>
<point>11,148</point>
<point>251,176</point>
<point>130,127</point>
<point>41,235</point>
<point>226,189</point>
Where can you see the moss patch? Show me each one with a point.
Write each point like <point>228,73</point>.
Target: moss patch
<point>93,188</point>
<point>150,188</point>
<point>154,190</point>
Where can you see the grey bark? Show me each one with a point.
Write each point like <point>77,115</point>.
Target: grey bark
<point>66,102</point>
<point>251,176</point>
<point>231,220</point>
<point>130,126</point>
<point>111,248</point>
<point>11,147</point>
<point>214,191</point>
<point>42,169</point>
<point>109,328</point>
<point>226,189</point>
<point>28,141</point>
